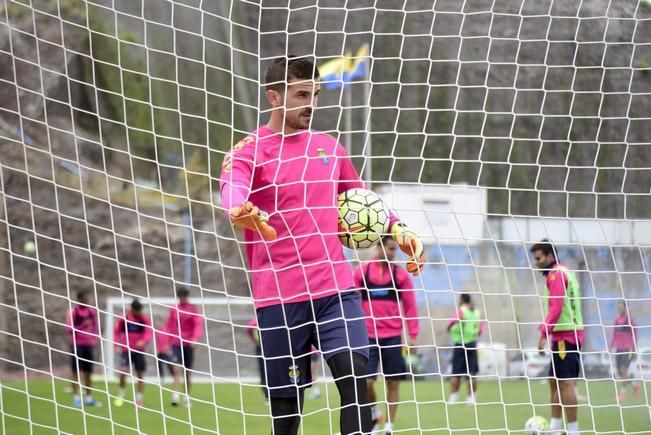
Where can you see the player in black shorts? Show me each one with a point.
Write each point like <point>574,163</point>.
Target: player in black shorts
<point>301,282</point>
<point>623,345</point>
<point>82,326</point>
<point>389,302</point>
<point>464,330</point>
<point>562,329</point>
<point>163,353</point>
<point>132,335</point>
<point>185,328</point>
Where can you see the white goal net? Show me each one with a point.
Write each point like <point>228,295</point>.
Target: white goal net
<point>487,125</point>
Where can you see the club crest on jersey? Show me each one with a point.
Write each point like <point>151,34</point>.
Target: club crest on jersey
<point>324,157</point>
<point>227,164</point>
<point>294,374</point>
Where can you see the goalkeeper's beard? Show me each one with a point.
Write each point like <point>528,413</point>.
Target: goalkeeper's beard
<point>300,121</point>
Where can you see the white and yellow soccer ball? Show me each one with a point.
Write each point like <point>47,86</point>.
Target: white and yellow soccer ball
<point>29,248</point>
<point>363,218</point>
<point>536,425</point>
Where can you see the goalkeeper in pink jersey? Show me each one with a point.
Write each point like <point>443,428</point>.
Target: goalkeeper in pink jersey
<point>132,335</point>
<point>280,184</point>
<point>388,300</point>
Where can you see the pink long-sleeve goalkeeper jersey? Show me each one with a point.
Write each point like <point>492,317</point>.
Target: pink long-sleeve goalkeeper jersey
<point>296,179</point>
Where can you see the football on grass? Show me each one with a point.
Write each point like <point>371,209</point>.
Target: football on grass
<point>536,425</point>
<point>363,218</point>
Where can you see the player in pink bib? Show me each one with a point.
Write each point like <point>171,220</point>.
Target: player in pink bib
<point>185,328</point>
<point>389,301</point>
<point>132,335</point>
<point>82,326</point>
<point>563,329</point>
<point>280,184</point>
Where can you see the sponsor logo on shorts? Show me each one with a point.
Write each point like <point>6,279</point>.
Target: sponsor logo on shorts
<point>561,349</point>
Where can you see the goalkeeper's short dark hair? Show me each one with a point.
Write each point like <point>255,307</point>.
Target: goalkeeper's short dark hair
<point>465,298</point>
<point>545,246</point>
<point>286,68</point>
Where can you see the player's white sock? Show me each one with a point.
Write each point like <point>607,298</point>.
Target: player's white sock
<point>454,397</point>
<point>76,397</point>
<point>121,393</point>
<point>573,428</point>
<point>470,399</point>
<point>555,425</point>
<point>175,397</point>
<point>89,398</point>
<point>388,427</point>
<point>138,397</point>
<point>375,412</point>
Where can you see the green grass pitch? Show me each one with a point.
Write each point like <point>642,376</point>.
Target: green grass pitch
<point>41,407</point>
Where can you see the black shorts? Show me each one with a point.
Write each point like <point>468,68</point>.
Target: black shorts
<point>164,360</point>
<point>566,360</point>
<point>334,323</point>
<point>388,351</point>
<point>623,359</point>
<point>82,357</point>
<point>183,355</point>
<point>464,360</point>
<point>135,359</point>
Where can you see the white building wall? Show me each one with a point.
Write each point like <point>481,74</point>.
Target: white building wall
<point>440,214</point>
<point>457,214</point>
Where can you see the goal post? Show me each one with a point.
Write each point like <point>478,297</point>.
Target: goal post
<point>224,343</point>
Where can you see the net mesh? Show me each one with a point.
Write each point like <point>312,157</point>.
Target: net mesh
<point>487,125</point>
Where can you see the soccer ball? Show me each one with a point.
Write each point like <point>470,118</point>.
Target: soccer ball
<point>363,218</point>
<point>536,425</point>
<point>29,248</point>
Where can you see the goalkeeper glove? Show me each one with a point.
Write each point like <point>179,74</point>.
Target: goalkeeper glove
<point>411,245</point>
<point>252,218</point>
